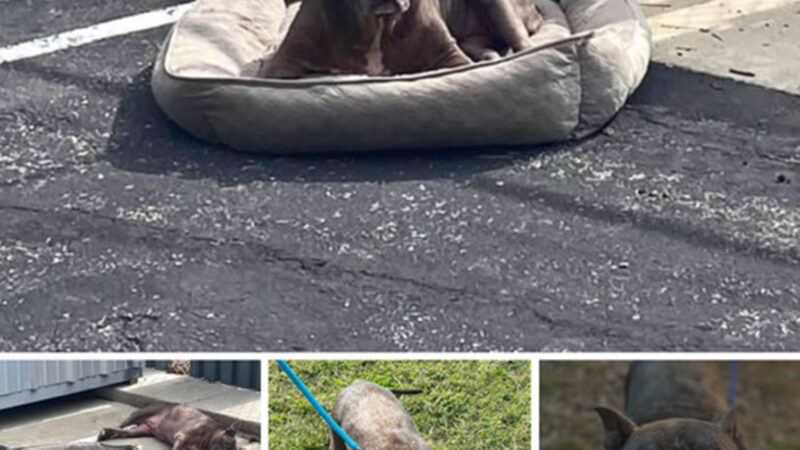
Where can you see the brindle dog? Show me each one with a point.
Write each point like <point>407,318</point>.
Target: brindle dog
<point>182,426</point>
<point>672,405</point>
<point>386,37</point>
<point>375,419</point>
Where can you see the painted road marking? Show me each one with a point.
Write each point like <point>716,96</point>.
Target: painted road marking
<point>93,33</point>
<point>716,14</point>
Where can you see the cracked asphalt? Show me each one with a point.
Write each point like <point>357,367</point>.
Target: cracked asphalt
<point>676,228</point>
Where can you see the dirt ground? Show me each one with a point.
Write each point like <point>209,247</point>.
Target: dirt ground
<point>768,398</point>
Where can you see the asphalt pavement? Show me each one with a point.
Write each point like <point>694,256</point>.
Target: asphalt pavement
<point>676,228</point>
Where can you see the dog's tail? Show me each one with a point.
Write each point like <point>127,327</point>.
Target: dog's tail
<point>399,392</point>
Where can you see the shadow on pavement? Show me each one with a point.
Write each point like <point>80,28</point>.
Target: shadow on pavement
<point>144,140</point>
<point>58,76</point>
<point>698,96</point>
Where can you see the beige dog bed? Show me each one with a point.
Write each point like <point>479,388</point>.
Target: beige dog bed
<point>589,57</point>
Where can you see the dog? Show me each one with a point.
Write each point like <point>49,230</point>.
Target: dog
<point>485,28</point>
<point>375,419</point>
<point>385,37</point>
<point>182,426</point>
<point>676,405</point>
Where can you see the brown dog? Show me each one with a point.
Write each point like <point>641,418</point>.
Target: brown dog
<point>484,28</point>
<point>182,426</point>
<point>383,37</point>
<point>375,419</point>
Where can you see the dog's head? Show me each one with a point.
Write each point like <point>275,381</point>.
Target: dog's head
<point>353,17</point>
<point>680,434</point>
<point>400,440</point>
<point>225,439</point>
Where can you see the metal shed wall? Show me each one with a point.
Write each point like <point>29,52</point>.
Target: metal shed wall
<point>23,382</point>
<point>245,374</point>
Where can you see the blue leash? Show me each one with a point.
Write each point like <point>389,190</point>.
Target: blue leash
<point>320,410</point>
<point>734,375</point>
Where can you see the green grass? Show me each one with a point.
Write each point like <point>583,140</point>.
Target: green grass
<point>465,404</point>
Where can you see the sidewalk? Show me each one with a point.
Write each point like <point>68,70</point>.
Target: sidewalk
<point>68,419</point>
<point>747,40</point>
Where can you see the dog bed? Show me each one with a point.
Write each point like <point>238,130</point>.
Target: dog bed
<point>588,58</point>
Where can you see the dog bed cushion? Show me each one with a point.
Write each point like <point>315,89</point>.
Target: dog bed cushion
<point>588,58</point>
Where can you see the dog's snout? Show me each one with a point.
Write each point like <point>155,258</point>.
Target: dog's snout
<point>388,7</point>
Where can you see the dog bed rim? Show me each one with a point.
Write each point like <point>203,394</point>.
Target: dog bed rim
<point>355,79</point>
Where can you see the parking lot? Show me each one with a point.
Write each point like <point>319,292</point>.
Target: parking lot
<point>677,228</point>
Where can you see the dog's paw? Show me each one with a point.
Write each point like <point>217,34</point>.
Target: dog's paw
<point>523,44</point>
<point>489,55</point>
<point>533,19</point>
<point>534,24</point>
<point>105,434</point>
<point>275,69</point>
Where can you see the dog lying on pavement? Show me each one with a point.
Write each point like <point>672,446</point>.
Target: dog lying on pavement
<point>182,426</point>
<point>386,37</point>
<point>375,419</point>
<point>672,405</point>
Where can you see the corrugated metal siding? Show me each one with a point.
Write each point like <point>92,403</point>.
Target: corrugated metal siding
<point>160,365</point>
<point>24,382</point>
<point>246,374</point>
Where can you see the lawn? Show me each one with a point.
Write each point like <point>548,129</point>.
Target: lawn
<point>465,404</point>
<point>768,398</point>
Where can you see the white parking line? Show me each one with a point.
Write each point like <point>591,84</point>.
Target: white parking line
<point>100,31</point>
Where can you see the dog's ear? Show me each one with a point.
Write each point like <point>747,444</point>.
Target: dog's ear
<point>618,426</point>
<point>727,423</point>
<point>233,428</point>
